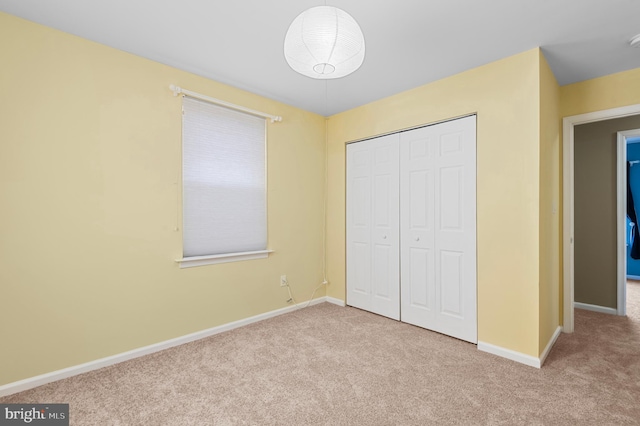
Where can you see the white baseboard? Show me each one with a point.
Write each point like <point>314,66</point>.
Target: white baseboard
<point>525,359</point>
<point>552,341</point>
<point>509,354</point>
<point>595,308</point>
<point>336,301</point>
<point>43,379</point>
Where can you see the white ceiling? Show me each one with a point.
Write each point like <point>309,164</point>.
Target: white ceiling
<point>409,42</point>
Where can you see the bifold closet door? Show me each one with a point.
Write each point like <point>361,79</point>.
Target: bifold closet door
<point>373,250</point>
<point>438,228</point>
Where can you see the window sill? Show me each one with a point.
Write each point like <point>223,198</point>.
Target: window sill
<point>190,262</point>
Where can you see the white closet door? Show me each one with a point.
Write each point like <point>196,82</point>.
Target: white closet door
<point>438,227</point>
<point>373,251</point>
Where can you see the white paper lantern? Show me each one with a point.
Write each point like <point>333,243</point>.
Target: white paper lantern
<point>324,42</point>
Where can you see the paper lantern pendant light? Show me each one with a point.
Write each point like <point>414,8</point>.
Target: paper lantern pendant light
<point>324,42</point>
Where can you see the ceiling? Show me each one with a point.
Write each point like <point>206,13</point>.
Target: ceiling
<point>409,42</point>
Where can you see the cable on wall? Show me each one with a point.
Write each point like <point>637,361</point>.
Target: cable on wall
<point>324,224</point>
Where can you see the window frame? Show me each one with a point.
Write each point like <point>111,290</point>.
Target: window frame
<point>213,259</point>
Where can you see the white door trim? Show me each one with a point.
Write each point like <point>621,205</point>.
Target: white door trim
<point>568,124</point>
<point>621,248</point>
<point>622,223</point>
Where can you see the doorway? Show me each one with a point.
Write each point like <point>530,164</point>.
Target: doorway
<point>569,208</point>
<point>633,182</point>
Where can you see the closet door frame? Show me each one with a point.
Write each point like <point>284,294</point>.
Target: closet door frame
<point>363,303</point>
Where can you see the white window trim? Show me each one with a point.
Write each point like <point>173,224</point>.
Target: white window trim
<point>190,262</point>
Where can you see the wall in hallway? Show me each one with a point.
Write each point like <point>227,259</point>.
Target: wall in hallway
<point>595,210</point>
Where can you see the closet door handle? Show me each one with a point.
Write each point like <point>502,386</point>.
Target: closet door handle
<point>417,238</point>
<point>384,237</point>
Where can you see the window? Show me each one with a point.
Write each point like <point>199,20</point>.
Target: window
<point>223,184</point>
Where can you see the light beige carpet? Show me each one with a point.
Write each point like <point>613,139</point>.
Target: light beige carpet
<point>342,366</point>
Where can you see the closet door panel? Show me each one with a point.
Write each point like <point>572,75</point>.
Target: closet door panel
<point>421,270</point>
<point>446,153</point>
<point>417,187</point>
<point>359,225</point>
<point>456,232</point>
<point>452,288</point>
<point>373,226</point>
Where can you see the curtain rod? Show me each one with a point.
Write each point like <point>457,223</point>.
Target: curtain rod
<point>177,90</point>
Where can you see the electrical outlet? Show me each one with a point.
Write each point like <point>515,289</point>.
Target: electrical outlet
<point>283,280</point>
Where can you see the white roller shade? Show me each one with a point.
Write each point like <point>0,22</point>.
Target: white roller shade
<point>223,179</point>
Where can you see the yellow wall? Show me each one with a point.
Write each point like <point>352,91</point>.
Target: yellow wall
<point>89,182</point>
<point>610,91</point>
<point>598,94</point>
<point>506,96</point>
<point>550,184</point>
